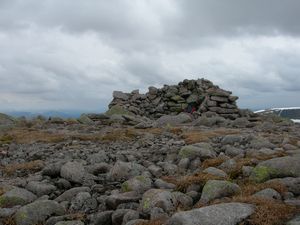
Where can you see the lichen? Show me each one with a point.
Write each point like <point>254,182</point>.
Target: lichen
<point>126,187</point>
<point>262,173</point>
<point>146,203</point>
<point>6,202</point>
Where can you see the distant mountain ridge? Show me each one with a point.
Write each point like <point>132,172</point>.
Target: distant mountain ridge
<point>62,114</point>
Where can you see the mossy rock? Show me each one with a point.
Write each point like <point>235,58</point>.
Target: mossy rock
<point>262,173</point>
<point>118,110</point>
<point>10,201</point>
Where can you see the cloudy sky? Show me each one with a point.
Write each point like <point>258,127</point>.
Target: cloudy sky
<point>71,54</point>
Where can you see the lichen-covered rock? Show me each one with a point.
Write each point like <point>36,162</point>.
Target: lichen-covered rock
<point>40,188</point>
<point>69,194</point>
<point>276,168</point>
<point>164,199</point>
<point>203,151</point>
<point>38,212</point>
<point>169,120</point>
<point>138,184</point>
<point>117,110</point>
<point>16,196</point>
<point>125,170</point>
<point>214,189</point>
<point>225,214</point>
<point>73,171</point>
<point>71,222</point>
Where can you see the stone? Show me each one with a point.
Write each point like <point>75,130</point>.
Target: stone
<point>118,110</point>
<point>118,215</point>
<point>38,212</point>
<point>155,170</point>
<point>276,168</point>
<point>233,151</point>
<point>6,121</point>
<point>158,198</point>
<point>78,202</point>
<point>169,120</point>
<point>99,157</point>
<point>232,139</point>
<point>159,183</point>
<point>73,172</point>
<point>260,142</point>
<point>102,218</point>
<point>84,119</point>
<point>120,95</point>
<point>40,188</point>
<point>52,169</point>
<point>164,199</point>
<point>203,151</point>
<point>69,194</point>
<point>223,214</point>
<point>16,196</point>
<point>215,171</point>
<point>114,200</point>
<point>214,189</point>
<point>294,221</point>
<point>70,222</point>
<point>138,184</point>
<point>268,193</point>
<point>292,184</point>
<point>130,215</point>
<point>125,170</point>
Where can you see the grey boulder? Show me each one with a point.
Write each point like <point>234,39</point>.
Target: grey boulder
<point>221,214</point>
<point>38,212</point>
<point>214,189</point>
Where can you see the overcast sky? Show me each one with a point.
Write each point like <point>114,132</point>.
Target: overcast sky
<point>71,54</point>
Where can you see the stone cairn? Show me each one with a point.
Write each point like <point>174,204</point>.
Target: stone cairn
<point>201,95</point>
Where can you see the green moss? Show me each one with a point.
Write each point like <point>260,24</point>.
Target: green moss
<point>262,173</point>
<point>186,152</point>
<point>125,187</point>
<point>146,203</point>
<point>6,202</point>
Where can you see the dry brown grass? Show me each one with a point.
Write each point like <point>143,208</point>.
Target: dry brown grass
<point>267,212</point>
<point>27,136</point>
<point>9,221</point>
<point>213,162</point>
<point>192,137</point>
<point>199,178</point>
<point>32,166</point>
<point>251,188</point>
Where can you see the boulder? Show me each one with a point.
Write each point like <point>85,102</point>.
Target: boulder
<point>125,170</point>
<point>70,222</point>
<point>118,110</point>
<point>169,120</point>
<point>114,200</point>
<point>16,196</point>
<point>38,212</point>
<point>201,150</point>
<point>73,172</point>
<point>138,184</point>
<point>214,189</point>
<point>276,168</point>
<point>40,188</point>
<point>269,193</point>
<point>69,194</point>
<point>222,214</point>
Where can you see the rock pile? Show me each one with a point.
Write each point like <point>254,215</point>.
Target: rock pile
<point>194,96</point>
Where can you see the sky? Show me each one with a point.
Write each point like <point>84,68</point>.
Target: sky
<point>71,54</point>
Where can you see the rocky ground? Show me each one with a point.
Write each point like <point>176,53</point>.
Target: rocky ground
<point>124,170</point>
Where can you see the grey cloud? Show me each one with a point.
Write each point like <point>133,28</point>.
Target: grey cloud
<point>72,54</point>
